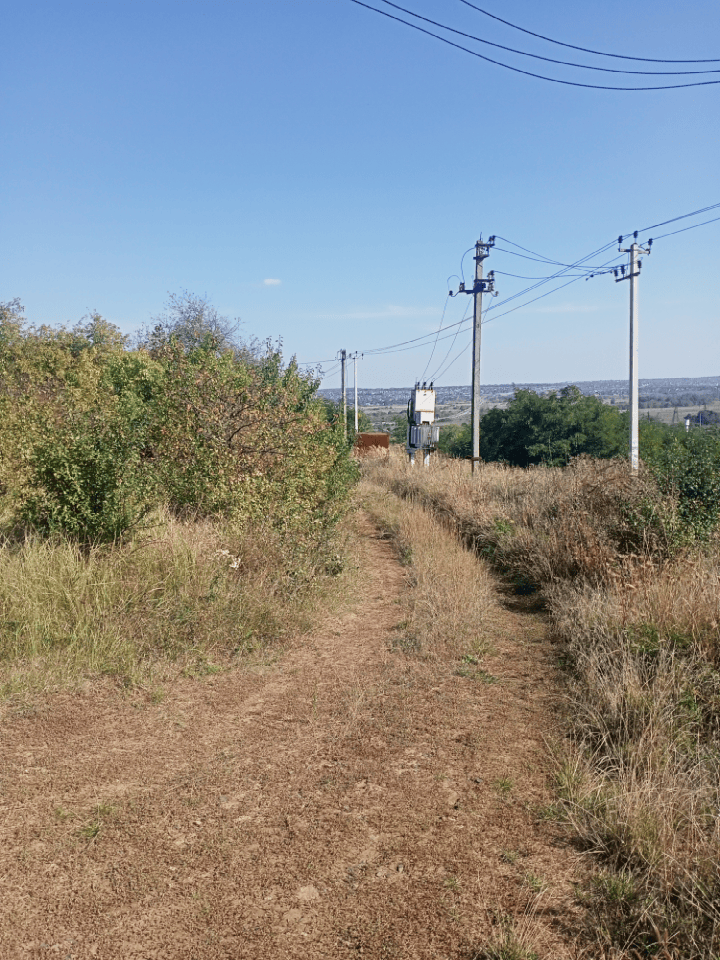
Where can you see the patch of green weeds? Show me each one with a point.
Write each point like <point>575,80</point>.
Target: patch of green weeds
<point>502,526</point>
<point>510,856</point>
<point>568,780</point>
<point>644,640</point>
<point>504,786</point>
<point>102,813</point>
<point>405,554</point>
<point>469,669</point>
<point>201,667</point>
<point>534,883</point>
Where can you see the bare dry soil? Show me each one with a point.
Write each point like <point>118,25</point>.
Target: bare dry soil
<point>345,800</point>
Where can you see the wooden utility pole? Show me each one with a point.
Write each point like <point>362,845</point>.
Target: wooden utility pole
<point>480,286</point>
<point>631,274</point>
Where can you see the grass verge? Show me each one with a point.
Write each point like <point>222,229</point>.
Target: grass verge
<point>190,597</point>
<point>451,600</point>
<point>639,784</point>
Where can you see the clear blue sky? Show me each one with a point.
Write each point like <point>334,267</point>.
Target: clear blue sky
<point>212,146</point>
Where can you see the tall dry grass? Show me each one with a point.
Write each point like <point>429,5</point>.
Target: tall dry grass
<point>452,600</point>
<point>189,596</point>
<point>541,524</point>
<point>639,785</point>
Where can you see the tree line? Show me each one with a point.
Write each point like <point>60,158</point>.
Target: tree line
<point>97,431</point>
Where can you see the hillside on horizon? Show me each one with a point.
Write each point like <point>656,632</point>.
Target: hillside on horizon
<point>668,391</point>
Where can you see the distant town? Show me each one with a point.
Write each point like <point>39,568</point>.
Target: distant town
<point>668,399</point>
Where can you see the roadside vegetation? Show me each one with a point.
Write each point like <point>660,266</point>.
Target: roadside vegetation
<point>451,601</point>
<point>629,572</point>
<point>169,501</point>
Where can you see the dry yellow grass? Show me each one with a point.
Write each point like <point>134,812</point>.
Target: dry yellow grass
<point>640,781</point>
<point>186,596</point>
<point>451,600</point>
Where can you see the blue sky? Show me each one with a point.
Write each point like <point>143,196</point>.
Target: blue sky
<point>157,146</point>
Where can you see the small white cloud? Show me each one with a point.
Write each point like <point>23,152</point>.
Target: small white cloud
<point>272,283</point>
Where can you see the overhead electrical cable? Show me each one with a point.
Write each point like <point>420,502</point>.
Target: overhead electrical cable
<point>462,261</point>
<point>423,340</point>
<point>452,345</point>
<point>540,256</point>
<point>432,354</point>
<point>425,337</point>
<point>416,346</point>
<point>683,229</point>
<point>541,296</point>
<point>537,56</point>
<point>598,270</point>
<point>572,46</point>
<point>529,73</point>
<point>457,356</point>
<point>524,256</point>
<point>518,276</point>
<point>684,216</point>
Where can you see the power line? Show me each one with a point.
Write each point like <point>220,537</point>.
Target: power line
<point>541,256</point>
<point>424,340</point>
<point>447,300</point>
<point>462,261</point>
<point>537,56</point>
<point>455,359</point>
<point>571,46</point>
<point>554,263</point>
<point>440,366</point>
<point>683,216</point>
<point>518,276</point>
<point>528,73</point>
<point>542,295</point>
<point>425,337</point>
<point>683,229</point>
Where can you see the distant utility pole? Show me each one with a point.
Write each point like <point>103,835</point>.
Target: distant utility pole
<point>355,358</point>
<point>480,286</point>
<point>631,273</point>
<point>343,359</point>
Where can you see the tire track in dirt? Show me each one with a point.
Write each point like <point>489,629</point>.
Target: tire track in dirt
<point>344,801</point>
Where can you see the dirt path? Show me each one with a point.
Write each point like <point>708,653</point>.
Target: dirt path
<point>345,801</point>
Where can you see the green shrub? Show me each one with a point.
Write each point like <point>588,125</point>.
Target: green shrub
<point>687,468</point>
<point>93,435</point>
<point>89,481</point>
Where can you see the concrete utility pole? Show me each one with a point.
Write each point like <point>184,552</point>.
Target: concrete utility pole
<point>631,274</point>
<point>343,359</point>
<point>355,358</point>
<point>480,286</point>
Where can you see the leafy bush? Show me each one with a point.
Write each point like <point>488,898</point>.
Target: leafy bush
<point>89,481</point>
<point>687,468</point>
<point>93,435</point>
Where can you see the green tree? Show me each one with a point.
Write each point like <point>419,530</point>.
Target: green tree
<point>398,429</point>
<point>456,440</point>
<point>193,322</point>
<point>551,429</point>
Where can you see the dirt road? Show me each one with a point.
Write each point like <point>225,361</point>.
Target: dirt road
<point>347,800</point>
